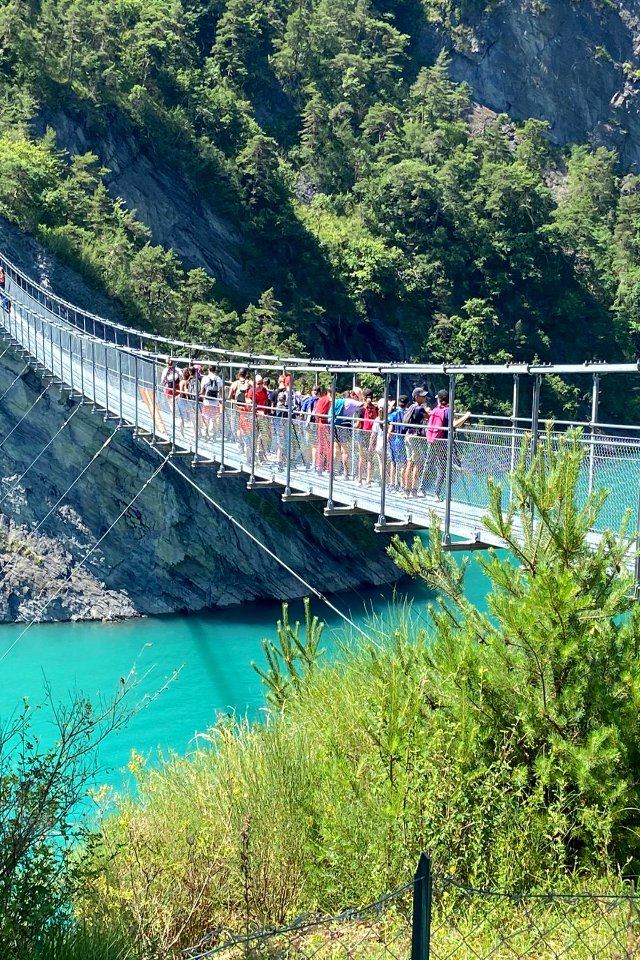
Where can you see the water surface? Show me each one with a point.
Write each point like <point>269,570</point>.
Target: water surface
<point>213,650</point>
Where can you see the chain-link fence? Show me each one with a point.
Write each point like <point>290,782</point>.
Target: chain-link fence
<point>434,917</point>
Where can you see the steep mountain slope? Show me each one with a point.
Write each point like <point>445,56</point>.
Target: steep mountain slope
<point>572,64</point>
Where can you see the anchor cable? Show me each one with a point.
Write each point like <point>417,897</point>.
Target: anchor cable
<point>70,487</point>
<point>35,459</point>
<point>263,546</point>
<point>15,380</point>
<point>79,566</point>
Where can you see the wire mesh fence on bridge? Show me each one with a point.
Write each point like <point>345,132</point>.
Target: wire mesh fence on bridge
<point>434,917</point>
<point>295,452</point>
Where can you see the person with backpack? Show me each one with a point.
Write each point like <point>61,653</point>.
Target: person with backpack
<point>438,425</point>
<point>307,417</point>
<point>211,399</point>
<point>380,424</point>
<point>397,447</point>
<point>238,398</point>
<point>413,421</point>
<point>321,417</point>
<point>170,378</point>
<point>185,395</point>
<point>341,432</point>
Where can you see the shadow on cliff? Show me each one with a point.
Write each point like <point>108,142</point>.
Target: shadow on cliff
<point>194,202</point>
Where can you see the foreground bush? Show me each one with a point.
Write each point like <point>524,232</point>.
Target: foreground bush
<point>503,742</point>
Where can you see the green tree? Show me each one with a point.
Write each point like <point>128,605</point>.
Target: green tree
<point>548,678</point>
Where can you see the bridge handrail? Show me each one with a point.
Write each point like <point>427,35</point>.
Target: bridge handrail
<point>12,269</point>
<point>304,364</point>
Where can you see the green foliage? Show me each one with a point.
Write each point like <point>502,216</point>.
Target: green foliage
<point>504,741</point>
<point>548,676</point>
<point>347,168</point>
<point>290,660</point>
<point>41,787</point>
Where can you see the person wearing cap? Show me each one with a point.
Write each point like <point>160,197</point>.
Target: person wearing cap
<point>364,427</point>
<point>414,420</point>
<point>436,436</point>
<point>398,447</point>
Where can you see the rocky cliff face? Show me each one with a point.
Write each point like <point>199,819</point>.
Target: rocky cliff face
<point>570,62</point>
<point>171,551</point>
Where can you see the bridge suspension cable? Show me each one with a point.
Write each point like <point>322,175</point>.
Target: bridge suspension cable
<point>69,488</point>
<point>264,547</point>
<point>17,483</point>
<point>24,415</point>
<point>15,380</point>
<point>39,615</point>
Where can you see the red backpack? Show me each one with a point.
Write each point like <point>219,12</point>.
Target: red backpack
<point>436,427</point>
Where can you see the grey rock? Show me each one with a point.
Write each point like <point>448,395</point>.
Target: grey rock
<point>178,218</point>
<point>535,59</point>
<point>171,551</point>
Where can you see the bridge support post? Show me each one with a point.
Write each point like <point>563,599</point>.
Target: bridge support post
<point>636,566</point>
<point>332,440</point>
<point>287,488</point>
<point>514,427</point>
<point>174,400</point>
<point>595,400</point>
<point>254,431</point>
<point>80,341</point>
<point>70,362</point>
<point>194,462</point>
<point>137,390</point>
<point>353,435</point>
<point>449,473</point>
<point>385,444</point>
<point>106,383</point>
<point>120,418</point>
<point>93,374</point>
<point>53,369</point>
<point>535,413</point>
<point>223,417</point>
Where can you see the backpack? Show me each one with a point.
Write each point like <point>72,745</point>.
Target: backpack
<point>436,429</point>
<point>211,388</point>
<point>397,419</point>
<point>241,391</point>
<point>173,379</point>
<point>410,417</point>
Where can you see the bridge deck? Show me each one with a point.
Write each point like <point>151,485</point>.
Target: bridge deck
<point>126,386</point>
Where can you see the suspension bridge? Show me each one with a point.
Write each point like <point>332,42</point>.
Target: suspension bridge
<point>117,371</point>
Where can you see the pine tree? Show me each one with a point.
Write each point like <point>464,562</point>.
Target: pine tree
<point>548,677</point>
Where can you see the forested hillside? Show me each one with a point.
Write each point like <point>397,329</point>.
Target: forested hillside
<point>365,188</point>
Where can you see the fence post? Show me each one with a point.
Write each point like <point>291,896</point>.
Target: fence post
<point>421,927</point>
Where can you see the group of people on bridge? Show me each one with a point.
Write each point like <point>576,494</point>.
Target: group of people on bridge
<point>253,409</point>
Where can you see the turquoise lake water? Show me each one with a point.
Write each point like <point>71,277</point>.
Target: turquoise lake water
<point>215,651</point>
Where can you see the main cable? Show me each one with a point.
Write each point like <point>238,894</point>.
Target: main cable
<point>24,415</point>
<point>92,550</point>
<point>69,488</point>
<point>263,546</point>
<point>35,459</point>
<point>15,380</point>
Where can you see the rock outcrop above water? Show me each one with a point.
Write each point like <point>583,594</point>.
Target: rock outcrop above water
<point>171,551</point>
<point>571,63</point>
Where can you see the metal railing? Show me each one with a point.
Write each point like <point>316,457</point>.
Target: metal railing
<point>397,477</point>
